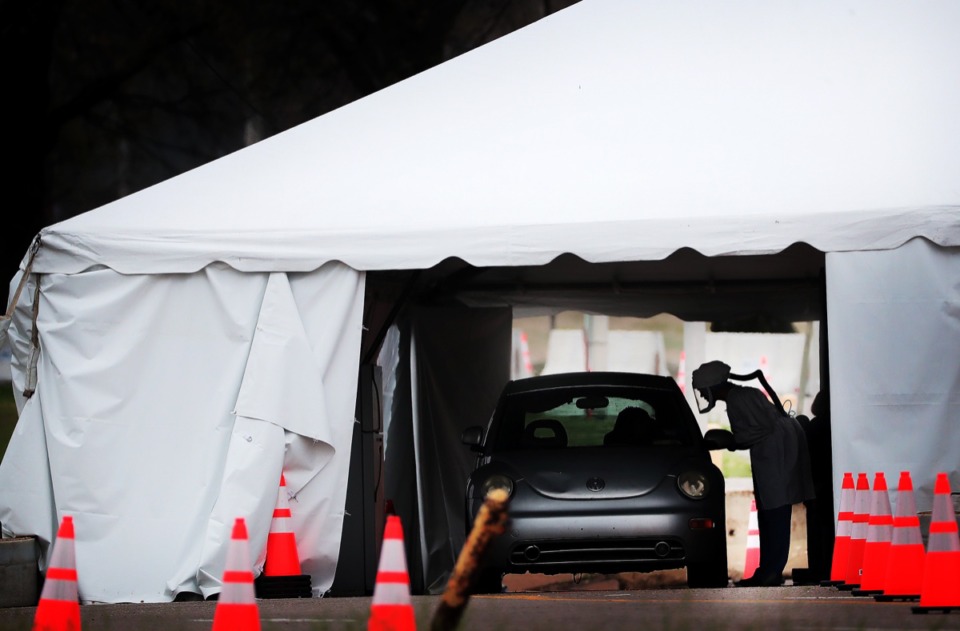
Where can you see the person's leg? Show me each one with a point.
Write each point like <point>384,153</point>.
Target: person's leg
<point>774,525</point>
<point>815,543</point>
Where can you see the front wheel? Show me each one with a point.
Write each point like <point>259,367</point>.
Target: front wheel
<point>709,574</point>
<point>488,581</point>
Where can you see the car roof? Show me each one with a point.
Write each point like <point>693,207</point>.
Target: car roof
<point>560,380</point>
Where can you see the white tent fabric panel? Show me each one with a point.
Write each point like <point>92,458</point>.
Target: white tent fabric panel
<point>566,352</point>
<point>162,413</point>
<point>782,357</point>
<point>636,351</point>
<point>894,336</point>
<point>732,128</point>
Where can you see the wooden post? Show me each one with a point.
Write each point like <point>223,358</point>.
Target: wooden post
<point>490,522</point>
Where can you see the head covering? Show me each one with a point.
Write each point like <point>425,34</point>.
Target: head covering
<point>706,377</point>
<point>821,404</point>
<point>710,374</point>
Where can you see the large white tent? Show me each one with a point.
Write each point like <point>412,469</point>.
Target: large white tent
<point>187,343</point>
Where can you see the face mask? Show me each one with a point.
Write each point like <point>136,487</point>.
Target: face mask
<point>705,406</point>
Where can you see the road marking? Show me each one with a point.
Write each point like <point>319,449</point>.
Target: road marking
<point>619,598</point>
<point>350,620</point>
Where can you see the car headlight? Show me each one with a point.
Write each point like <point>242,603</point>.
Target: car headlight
<point>496,481</point>
<point>693,484</point>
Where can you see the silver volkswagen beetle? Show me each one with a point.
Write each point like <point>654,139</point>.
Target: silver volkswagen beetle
<point>606,472</point>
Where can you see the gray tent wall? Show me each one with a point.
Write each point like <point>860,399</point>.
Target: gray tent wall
<point>894,336</point>
<point>456,361</point>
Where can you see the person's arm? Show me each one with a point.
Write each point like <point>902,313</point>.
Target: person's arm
<point>749,413</point>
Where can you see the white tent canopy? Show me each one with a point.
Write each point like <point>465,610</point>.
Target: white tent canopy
<point>200,336</point>
<point>731,128</point>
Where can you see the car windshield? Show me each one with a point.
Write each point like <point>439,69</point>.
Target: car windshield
<point>593,417</point>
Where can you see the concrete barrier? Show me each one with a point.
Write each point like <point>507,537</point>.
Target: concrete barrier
<point>19,572</point>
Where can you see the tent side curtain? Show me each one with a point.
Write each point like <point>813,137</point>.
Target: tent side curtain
<point>162,413</point>
<point>462,361</point>
<point>894,336</point>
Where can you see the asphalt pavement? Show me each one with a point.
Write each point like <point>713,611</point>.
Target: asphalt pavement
<point>791,608</point>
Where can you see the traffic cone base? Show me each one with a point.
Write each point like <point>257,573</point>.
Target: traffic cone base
<point>237,616</point>
<point>939,591</point>
<point>391,618</point>
<point>54,615</point>
<point>284,586</point>
<point>905,573</point>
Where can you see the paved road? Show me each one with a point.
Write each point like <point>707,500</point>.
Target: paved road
<point>733,609</point>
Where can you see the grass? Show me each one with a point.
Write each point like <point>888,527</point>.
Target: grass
<point>736,465</point>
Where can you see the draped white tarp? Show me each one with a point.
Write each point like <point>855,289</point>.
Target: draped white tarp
<point>168,405</point>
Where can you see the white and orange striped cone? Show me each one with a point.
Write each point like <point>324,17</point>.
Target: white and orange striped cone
<point>858,534</point>
<point>682,372</point>
<point>752,561</point>
<point>525,354</point>
<point>237,605</point>
<point>941,571</point>
<point>282,577</point>
<point>392,609</point>
<point>59,606</point>
<point>282,556</point>
<point>906,558</point>
<point>879,534</point>
<point>765,367</point>
<point>841,541</point>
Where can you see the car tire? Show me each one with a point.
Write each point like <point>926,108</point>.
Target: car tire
<point>709,574</point>
<point>488,581</point>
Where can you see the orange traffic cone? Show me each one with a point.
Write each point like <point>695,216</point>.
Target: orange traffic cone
<point>858,534</point>
<point>237,606</point>
<point>877,546</point>
<point>941,572</point>
<point>281,576</point>
<point>841,541</point>
<point>392,609</point>
<point>682,374</point>
<point>906,557</point>
<point>525,354</point>
<point>753,542</point>
<point>282,557</point>
<point>59,606</point>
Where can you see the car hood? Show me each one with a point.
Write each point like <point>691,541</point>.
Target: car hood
<point>588,473</point>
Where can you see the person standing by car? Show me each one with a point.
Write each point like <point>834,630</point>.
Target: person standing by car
<point>779,460</point>
<point>820,527</point>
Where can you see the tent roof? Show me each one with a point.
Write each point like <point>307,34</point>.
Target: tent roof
<point>615,130</point>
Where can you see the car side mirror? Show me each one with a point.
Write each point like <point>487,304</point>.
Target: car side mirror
<point>719,439</point>
<point>472,437</point>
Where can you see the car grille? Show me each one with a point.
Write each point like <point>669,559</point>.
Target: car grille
<point>532,554</point>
